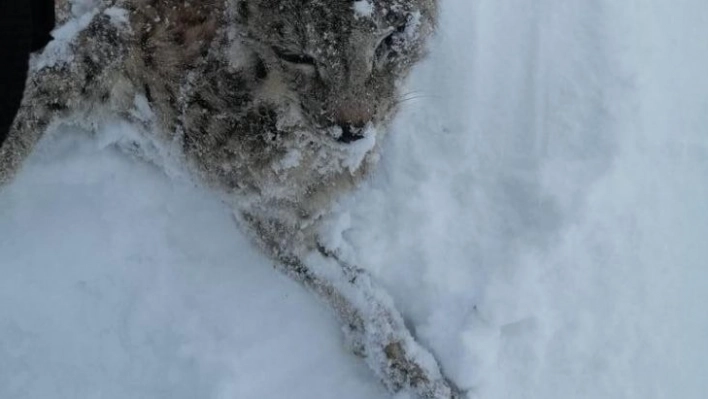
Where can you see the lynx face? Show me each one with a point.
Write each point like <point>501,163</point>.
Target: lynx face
<point>339,60</point>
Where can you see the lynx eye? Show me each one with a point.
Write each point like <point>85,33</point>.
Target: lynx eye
<point>294,58</point>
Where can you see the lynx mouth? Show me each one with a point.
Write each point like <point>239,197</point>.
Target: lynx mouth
<point>350,133</point>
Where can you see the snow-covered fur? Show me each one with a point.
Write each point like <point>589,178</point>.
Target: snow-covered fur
<point>279,104</point>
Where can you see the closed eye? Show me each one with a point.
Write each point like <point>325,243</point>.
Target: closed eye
<point>293,58</point>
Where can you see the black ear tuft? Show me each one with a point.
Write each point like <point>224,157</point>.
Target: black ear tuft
<point>242,9</point>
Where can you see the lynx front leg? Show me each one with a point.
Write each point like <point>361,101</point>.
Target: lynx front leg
<point>373,326</point>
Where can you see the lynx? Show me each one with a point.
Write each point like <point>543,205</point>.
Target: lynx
<point>279,105</point>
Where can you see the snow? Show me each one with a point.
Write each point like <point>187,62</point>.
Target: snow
<point>540,211</point>
<point>357,150</point>
<point>363,8</point>
<point>118,282</point>
<point>539,217</point>
<point>58,50</point>
<point>119,17</point>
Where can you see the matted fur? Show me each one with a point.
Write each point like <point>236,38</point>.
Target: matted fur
<point>279,105</point>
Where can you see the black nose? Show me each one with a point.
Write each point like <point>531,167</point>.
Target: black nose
<point>350,133</point>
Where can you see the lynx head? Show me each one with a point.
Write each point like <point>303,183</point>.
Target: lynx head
<point>339,60</point>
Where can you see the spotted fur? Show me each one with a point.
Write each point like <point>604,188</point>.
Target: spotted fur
<point>278,104</point>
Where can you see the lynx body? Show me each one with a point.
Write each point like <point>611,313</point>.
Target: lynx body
<point>277,104</point>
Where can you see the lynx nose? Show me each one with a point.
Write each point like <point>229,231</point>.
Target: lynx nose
<point>352,117</point>
<point>356,113</point>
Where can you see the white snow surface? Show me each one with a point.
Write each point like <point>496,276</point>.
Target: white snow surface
<point>539,218</point>
<point>541,212</point>
<point>119,282</point>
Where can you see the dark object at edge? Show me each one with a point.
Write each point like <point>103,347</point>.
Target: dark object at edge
<point>25,27</point>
